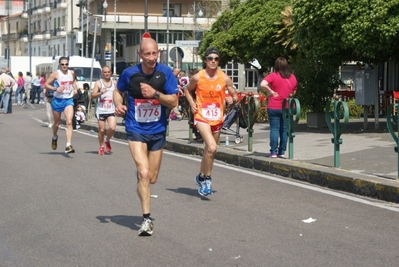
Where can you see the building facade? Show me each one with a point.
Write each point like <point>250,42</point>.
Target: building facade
<point>66,27</point>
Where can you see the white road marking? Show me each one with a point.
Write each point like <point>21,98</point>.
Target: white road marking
<point>393,207</point>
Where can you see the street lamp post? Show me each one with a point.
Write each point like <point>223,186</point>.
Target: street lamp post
<point>200,14</point>
<point>107,53</point>
<point>30,35</point>
<point>8,33</point>
<point>114,72</point>
<point>145,16</point>
<point>167,33</point>
<point>87,13</point>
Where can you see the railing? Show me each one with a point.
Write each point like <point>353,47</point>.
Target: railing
<point>11,37</point>
<point>131,19</point>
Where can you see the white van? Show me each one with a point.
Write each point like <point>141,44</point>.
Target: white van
<point>81,65</point>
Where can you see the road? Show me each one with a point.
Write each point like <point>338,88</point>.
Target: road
<point>82,210</point>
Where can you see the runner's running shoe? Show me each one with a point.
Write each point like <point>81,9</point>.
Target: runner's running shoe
<point>69,149</point>
<point>146,227</point>
<point>101,150</point>
<point>202,186</point>
<point>108,146</point>
<point>54,143</point>
<point>208,185</point>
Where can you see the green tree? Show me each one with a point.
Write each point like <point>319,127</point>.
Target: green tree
<point>331,32</point>
<point>348,30</point>
<point>247,31</point>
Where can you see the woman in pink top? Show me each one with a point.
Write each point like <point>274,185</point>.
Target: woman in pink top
<point>20,88</point>
<point>40,98</point>
<point>279,85</point>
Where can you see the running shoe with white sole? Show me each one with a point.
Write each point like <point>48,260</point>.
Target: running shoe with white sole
<point>146,227</point>
<point>208,185</point>
<point>69,149</point>
<point>202,186</point>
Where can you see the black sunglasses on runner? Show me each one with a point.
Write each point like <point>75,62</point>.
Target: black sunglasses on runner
<point>213,58</point>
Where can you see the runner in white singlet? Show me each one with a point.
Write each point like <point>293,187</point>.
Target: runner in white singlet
<point>104,90</point>
<point>63,83</point>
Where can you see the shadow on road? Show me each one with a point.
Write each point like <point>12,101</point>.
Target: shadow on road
<point>188,191</point>
<point>132,222</point>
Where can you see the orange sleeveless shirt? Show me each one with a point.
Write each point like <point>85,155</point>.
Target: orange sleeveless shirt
<point>210,98</point>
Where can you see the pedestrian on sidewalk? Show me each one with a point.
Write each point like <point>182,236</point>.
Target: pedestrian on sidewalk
<point>40,96</point>
<point>48,97</point>
<point>8,84</point>
<point>63,84</point>
<point>35,88</point>
<point>27,86</point>
<point>20,88</point>
<point>210,85</point>
<point>105,112</point>
<point>152,89</point>
<point>278,85</point>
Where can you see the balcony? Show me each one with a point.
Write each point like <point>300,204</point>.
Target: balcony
<point>60,31</point>
<point>23,37</point>
<point>9,37</point>
<point>41,35</point>
<point>155,21</point>
<point>62,4</point>
<point>46,8</point>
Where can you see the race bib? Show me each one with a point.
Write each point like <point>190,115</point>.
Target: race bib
<point>211,112</point>
<point>67,87</point>
<point>106,103</point>
<point>147,110</point>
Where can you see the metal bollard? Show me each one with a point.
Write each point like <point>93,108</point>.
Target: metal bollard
<point>291,116</point>
<point>340,111</point>
<point>392,120</point>
<point>250,109</point>
<point>190,121</point>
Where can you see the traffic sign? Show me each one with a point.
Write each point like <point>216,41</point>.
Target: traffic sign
<point>189,43</point>
<point>176,54</point>
<point>95,23</point>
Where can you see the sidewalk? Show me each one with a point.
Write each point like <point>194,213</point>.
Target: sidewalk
<point>368,163</point>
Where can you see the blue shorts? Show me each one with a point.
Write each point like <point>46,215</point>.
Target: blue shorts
<point>154,141</point>
<point>59,104</point>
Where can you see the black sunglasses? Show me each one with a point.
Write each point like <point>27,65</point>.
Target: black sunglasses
<point>66,64</point>
<point>213,58</point>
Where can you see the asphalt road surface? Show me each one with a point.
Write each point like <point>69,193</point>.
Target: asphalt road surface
<point>82,210</point>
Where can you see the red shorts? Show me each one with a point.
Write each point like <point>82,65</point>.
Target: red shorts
<point>214,128</point>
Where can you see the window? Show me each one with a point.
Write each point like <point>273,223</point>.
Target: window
<point>174,10</point>
<point>231,69</point>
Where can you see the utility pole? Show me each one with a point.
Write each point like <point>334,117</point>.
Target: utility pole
<point>8,34</point>
<point>30,34</point>
<point>167,33</point>
<point>145,16</point>
<point>114,72</point>
<point>71,28</point>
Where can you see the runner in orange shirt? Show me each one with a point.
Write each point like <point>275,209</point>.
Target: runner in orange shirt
<point>210,84</point>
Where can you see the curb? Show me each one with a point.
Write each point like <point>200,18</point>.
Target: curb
<point>330,177</point>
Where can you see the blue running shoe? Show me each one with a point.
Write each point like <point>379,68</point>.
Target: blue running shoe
<point>208,185</point>
<point>202,186</point>
<point>197,181</point>
<point>202,190</point>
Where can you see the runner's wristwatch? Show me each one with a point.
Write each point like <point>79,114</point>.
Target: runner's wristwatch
<point>156,95</point>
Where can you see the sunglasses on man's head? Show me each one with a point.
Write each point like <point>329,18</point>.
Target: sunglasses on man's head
<point>213,58</point>
<point>64,64</point>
